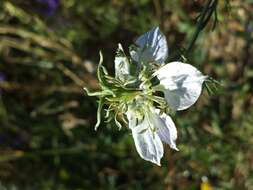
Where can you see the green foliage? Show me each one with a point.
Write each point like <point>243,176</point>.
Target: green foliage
<point>47,137</point>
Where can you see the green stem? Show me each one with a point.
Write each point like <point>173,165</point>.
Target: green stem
<point>203,20</point>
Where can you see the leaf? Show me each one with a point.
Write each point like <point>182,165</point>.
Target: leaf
<point>101,72</point>
<point>117,122</point>
<point>99,110</point>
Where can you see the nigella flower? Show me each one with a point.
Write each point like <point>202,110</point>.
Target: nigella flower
<point>131,96</point>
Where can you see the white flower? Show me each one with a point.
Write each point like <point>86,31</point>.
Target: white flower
<point>151,47</point>
<point>131,93</point>
<point>149,133</point>
<point>181,84</point>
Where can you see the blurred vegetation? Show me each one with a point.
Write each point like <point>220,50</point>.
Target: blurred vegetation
<point>48,52</point>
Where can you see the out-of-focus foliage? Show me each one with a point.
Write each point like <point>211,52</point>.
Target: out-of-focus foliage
<point>47,139</point>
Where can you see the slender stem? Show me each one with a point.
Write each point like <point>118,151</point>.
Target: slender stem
<point>203,20</point>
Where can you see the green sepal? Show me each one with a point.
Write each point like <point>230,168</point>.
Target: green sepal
<point>117,122</point>
<point>109,113</point>
<point>102,75</point>
<point>101,72</point>
<point>208,88</point>
<point>98,93</point>
<point>99,110</point>
<point>212,80</point>
<point>211,85</point>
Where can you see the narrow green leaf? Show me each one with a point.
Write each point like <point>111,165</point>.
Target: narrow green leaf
<point>117,122</point>
<point>99,93</point>
<point>99,110</point>
<point>209,90</point>
<point>101,72</point>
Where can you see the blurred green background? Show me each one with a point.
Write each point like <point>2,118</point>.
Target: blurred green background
<point>49,51</point>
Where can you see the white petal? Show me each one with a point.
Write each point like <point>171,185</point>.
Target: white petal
<point>168,132</point>
<point>122,68</point>
<point>148,144</point>
<point>151,47</point>
<point>166,128</point>
<point>182,84</point>
<point>131,116</point>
